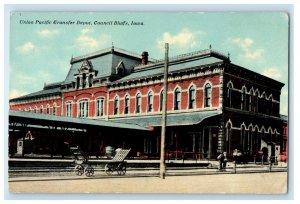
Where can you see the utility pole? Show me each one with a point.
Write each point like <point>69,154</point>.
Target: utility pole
<point>162,169</point>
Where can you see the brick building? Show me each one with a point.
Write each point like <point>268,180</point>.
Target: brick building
<point>213,105</point>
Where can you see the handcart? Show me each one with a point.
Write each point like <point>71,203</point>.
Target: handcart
<point>117,163</point>
<point>82,165</point>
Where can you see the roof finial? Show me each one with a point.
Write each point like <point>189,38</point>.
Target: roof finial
<point>228,55</point>
<point>112,45</point>
<point>210,46</point>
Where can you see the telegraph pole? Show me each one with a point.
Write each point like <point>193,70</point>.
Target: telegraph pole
<point>162,169</point>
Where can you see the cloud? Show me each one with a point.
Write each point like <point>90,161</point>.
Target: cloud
<point>16,93</point>
<point>48,33</point>
<point>272,72</point>
<point>256,54</point>
<point>184,39</point>
<point>85,31</point>
<point>242,43</point>
<point>26,48</point>
<point>248,52</point>
<point>85,41</point>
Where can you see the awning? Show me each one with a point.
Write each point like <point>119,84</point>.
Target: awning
<point>173,119</point>
<point>68,122</point>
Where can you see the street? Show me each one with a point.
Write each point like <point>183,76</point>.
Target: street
<point>249,183</point>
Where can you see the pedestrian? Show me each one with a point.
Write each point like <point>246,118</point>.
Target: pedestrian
<point>222,161</point>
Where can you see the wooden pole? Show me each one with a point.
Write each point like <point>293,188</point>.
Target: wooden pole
<point>162,170</point>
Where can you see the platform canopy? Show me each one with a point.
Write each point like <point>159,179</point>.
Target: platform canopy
<point>173,119</point>
<point>19,119</point>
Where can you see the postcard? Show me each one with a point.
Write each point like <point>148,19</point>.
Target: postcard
<point>148,102</point>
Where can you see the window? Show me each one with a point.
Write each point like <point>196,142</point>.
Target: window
<point>250,102</point>
<point>177,99</point>
<point>229,95</point>
<point>83,80</point>
<point>161,97</point>
<point>54,109</point>
<point>77,82</point>
<point>116,105</point>
<point>207,95</point>
<point>138,103</point>
<point>69,109</point>
<point>83,109</point>
<point>41,109</point>
<point>90,80</point>
<point>255,102</point>
<point>35,109</point>
<point>150,102</point>
<point>192,97</point>
<point>48,109</point>
<point>100,107</point>
<point>126,104</point>
<point>243,99</point>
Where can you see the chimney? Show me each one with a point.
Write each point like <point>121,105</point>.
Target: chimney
<point>145,58</point>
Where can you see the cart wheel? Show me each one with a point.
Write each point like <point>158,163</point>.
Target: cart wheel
<point>108,169</point>
<point>79,170</point>
<point>89,171</point>
<point>121,169</point>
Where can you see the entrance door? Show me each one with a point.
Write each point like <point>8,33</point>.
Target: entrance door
<point>210,142</point>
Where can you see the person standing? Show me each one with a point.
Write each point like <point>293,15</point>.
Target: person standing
<point>222,161</point>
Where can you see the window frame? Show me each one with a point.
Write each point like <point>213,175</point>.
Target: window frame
<point>138,103</point>
<point>207,95</point>
<point>83,108</point>
<point>177,98</point>
<point>192,97</point>
<point>100,106</point>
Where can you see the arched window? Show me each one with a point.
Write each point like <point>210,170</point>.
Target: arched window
<point>41,109</point>
<point>161,97</point>
<point>192,97</point>
<point>229,94</point>
<point>177,99</point>
<point>150,102</point>
<point>90,80</point>
<point>228,138</point>
<point>250,101</point>
<point>69,109</point>
<point>207,95</point>
<point>255,102</point>
<point>35,109</point>
<point>99,107</point>
<point>138,101</point>
<point>126,104</point>
<point>83,80</point>
<point>83,108</point>
<point>54,109</point>
<point>116,105</point>
<point>77,82</point>
<point>242,140</point>
<point>243,99</point>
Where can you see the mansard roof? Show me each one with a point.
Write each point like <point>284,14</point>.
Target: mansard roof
<point>104,62</point>
<point>177,63</point>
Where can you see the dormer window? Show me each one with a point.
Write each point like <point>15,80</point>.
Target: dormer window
<point>84,77</point>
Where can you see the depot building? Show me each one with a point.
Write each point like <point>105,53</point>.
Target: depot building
<point>213,105</point>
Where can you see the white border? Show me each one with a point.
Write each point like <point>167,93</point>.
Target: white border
<point>215,5</point>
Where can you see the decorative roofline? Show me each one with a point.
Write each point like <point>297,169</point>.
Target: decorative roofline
<point>104,51</point>
<point>185,56</point>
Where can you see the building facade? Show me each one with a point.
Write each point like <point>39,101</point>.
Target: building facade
<point>213,105</point>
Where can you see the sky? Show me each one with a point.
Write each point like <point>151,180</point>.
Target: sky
<point>40,50</point>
